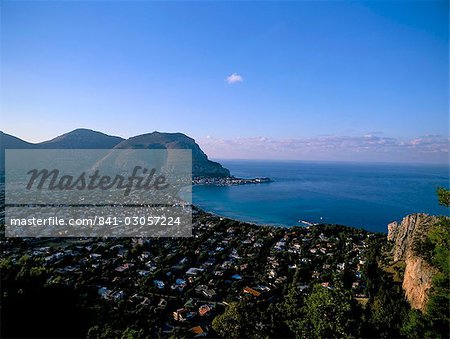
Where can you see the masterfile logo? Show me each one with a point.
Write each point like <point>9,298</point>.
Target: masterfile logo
<point>54,181</point>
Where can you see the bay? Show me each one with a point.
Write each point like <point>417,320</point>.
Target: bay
<point>362,195</point>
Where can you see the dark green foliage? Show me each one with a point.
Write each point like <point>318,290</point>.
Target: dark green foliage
<point>443,196</point>
<point>388,311</point>
<point>47,310</point>
<point>386,308</point>
<point>130,333</point>
<point>415,325</point>
<point>327,314</point>
<point>230,323</point>
<point>375,307</point>
<point>102,332</point>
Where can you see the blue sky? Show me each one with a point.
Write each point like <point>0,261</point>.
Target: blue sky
<point>305,73</point>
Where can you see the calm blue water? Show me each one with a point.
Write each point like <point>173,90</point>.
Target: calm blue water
<point>361,195</point>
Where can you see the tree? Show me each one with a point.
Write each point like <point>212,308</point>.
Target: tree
<point>230,323</point>
<point>130,333</point>
<point>443,196</point>
<point>327,314</point>
<point>414,326</point>
<point>437,307</point>
<point>102,332</point>
<point>291,308</point>
<point>388,310</point>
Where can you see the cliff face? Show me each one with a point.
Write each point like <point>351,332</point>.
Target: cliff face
<point>417,280</point>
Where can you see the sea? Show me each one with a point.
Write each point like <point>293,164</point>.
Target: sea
<point>363,195</point>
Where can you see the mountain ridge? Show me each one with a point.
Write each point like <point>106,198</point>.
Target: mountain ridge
<point>83,138</point>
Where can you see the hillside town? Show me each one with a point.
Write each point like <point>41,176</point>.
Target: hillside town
<point>228,181</point>
<point>182,284</point>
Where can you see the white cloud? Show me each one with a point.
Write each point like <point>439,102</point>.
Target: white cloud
<point>234,79</point>
<point>430,148</point>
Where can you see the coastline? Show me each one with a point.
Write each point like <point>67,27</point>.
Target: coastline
<point>345,194</point>
<point>198,209</point>
<point>213,214</point>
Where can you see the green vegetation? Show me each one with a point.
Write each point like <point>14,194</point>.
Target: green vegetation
<point>327,314</point>
<point>443,196</point>
<point>324,281</point>
<point>230,323</point>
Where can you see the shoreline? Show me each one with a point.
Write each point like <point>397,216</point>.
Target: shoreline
<point>197,209</point>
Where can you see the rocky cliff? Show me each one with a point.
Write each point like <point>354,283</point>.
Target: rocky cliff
<point>417,280</point>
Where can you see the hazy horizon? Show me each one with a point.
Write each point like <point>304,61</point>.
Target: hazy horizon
<point>215,154</point>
